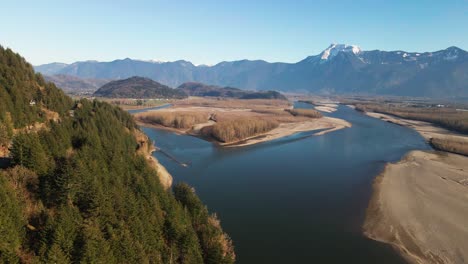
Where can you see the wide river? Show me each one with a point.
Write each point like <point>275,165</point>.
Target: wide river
<point>299,199</point>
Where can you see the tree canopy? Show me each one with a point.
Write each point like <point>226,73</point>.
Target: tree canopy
<point>79,192</point>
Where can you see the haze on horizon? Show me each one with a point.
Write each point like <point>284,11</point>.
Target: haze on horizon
<point>206,32</point>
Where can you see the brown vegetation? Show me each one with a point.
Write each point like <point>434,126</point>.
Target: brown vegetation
<point>130,104</point>
<point>233,103</point>
<point>305,112</point>
<point>24,182</point>
<point>180,120</point>
<point>449,118</point>
<point>277,112</point>
<point>239,129</point>
<point>232,121</point>
<point>453,145</point>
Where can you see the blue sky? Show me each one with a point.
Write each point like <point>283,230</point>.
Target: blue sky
<point>207,32</point>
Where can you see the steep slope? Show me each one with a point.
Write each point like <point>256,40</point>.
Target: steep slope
<point>138,87</point>
<point>338,69</point>
<point>79,191</point>
<point>200,89</point>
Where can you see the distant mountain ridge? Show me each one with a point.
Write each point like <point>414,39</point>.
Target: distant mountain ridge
<point>138,87</point>
<point>339,69</point>
<point>75,85</point>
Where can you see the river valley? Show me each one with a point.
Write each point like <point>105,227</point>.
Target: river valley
<point>298,199</point>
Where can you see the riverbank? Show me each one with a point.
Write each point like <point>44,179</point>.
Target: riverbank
<point>419,206</point>
<point>324,124</point>
<point>419,203</point>
<point>146,149</point>
<point>322,105</point>
<point>425,129</point>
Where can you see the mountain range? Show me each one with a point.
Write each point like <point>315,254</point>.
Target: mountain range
<point>339,69</point>
<point>76,85</point>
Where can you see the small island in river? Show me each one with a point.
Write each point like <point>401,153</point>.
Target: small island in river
<point>236,122</point>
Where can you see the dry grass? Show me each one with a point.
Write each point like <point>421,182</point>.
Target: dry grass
<point>277,115</point>
<point>233,103</point>
<point>25,182</point>
<point>445,117</point>
<point>239,129</point>
<point>129,103</point>
<point>234,120</point>
<point>180,120</point>
<point>305,112</point>
<point>276,112</point>
<point>453,145</point>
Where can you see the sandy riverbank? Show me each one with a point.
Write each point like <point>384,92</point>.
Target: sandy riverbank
<point>326,124</point>
<point>164,176</point>
<point>146,150</point>
<point>326,107</point>
<point>427,130</point>
<point>419,204</point>
<point>420,207</point>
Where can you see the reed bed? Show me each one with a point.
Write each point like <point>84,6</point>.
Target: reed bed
<point>239,129</point>
<point>448,118</point>
<point>234,103</point>
<point>452,145</point>
<point>180,120</point>
<point>305,112</point>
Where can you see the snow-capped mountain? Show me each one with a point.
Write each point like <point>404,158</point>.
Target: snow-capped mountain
<point>334,49</point>
<point>340,68</point>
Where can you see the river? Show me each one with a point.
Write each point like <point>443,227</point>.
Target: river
<point>299,199</point>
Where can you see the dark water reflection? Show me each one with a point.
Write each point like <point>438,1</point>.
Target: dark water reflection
<point>298,199</point>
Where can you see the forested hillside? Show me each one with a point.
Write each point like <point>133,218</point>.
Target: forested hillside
<point>138,87</point>
<point>76,190</point>
<point>205,90</point>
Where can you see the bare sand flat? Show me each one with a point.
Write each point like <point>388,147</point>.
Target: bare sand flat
<point>286,129</point>
<point>420,206</point>
<point>326,108</point>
